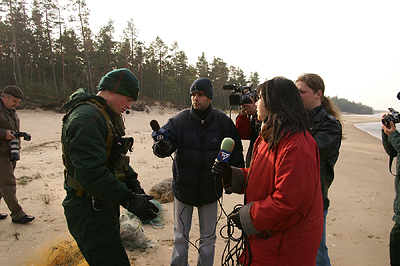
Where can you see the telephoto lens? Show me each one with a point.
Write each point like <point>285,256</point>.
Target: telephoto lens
<point>14,145</point>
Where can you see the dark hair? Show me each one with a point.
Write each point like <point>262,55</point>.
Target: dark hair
<point>286,112</point>
<point>316,83</point>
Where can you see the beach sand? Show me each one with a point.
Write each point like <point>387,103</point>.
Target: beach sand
<point>358,222</point>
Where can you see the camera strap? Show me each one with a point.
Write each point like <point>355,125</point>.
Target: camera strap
<point>391,157</point>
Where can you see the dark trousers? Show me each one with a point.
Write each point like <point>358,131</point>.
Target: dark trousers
<point>395,245</point>
<point>95,228</point>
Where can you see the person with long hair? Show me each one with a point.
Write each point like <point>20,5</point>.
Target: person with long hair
<point>282,217</point>
<point>326,129</point>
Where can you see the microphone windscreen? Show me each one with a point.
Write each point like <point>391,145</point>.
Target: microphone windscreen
<point>227,144</point>
<point>398,95</point>
<point>154,125</point>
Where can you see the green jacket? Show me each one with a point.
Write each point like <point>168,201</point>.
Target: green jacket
<point>84,135</point>
<point>392,147</point>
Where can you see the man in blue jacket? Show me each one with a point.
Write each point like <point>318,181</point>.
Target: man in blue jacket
<point>195,135</point>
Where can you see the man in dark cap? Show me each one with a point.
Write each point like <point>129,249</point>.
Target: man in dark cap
<point>9,124</point>
<point>195,135</point>
<point>98,177</point>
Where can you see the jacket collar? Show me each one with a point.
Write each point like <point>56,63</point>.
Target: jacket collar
<point>317,113</point>
<point>207,121</point>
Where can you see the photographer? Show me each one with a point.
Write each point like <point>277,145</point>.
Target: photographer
<point>391,143</point>
<point>248,126</point>
<point>9,124</point>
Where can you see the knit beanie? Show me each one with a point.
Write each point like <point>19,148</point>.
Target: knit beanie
<point>121,81</point>
<point>203,86</point>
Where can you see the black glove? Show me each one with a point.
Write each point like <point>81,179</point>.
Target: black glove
<point>223,170</point>
<point>163,147</point>
<point>140,205</point>
<point>235,217</point>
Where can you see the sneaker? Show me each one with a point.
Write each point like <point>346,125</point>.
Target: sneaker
<point>25,219</point>
<point>3,216</point>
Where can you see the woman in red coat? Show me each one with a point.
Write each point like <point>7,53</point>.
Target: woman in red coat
<point>282,216</point>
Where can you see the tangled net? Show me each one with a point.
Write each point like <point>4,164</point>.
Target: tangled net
<point>131,230</point>
<point>66,253</point>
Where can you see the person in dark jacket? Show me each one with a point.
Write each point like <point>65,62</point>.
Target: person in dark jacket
<point>248,127</point>
<point>9,124</point>
<point>326,128</point>
<point>391,143</point>
<point>195,135</point>
<point>97,175</point>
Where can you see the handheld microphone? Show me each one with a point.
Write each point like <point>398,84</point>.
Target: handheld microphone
<point>398,95</point>
<point>158,133</point>
<point>227,146</point>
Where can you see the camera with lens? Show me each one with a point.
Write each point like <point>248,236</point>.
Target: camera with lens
<point>14,144</point>
<point>393,116</point>
<point>240,94</point>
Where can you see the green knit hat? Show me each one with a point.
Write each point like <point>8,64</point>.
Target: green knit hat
<point>121,81</point>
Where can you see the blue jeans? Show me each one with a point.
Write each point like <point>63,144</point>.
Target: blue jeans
<point>182,222</point>
<point>322,255</point>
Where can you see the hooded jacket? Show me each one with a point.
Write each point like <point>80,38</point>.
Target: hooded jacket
<point>282,215</point>
<point>197,143</point>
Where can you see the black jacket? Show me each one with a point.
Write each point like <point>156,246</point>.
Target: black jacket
<point>196,144</point>
<point>327,132</point>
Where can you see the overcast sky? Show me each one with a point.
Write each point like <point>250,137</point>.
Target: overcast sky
<point>353,45</point>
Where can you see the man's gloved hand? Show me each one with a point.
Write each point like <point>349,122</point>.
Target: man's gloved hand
<point>163,147</point>
<point>235,217</point>
<point>223,170</point>
<point>140,205</point>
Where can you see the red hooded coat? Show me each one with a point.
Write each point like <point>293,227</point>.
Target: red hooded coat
<point>284,186</point>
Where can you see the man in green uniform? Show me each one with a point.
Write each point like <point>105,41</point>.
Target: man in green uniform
<point>9,124</point>
<point>98,178</point>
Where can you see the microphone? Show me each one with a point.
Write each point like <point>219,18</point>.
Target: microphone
<point>227,146</point>
<point>398,95</point>
<point>158,133</point>
<point>127,112</point>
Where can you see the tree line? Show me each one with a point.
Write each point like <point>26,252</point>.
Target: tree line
<point>49,51</point>
<point>351,107</point>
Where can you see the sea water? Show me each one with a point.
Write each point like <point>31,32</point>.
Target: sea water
<point>374,128</point>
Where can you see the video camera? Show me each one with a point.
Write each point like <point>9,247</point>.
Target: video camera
<point>392,116</point>
<point>14,144</point>
<point>240,94</point>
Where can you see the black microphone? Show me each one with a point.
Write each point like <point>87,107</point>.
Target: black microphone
<point>127,112</point>
<point>158,133</point>
<point>398,95</point>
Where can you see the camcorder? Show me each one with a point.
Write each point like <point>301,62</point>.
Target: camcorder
<point>14,144</point>
<point>240,94</point>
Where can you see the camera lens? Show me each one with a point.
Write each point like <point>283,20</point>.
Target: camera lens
<point>14,146</point>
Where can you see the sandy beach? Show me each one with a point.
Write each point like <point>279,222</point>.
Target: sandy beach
<point>358,223</point>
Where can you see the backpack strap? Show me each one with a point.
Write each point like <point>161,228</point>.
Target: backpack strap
<point>70,180</point>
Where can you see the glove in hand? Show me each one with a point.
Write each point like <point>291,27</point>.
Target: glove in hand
<point>235,217</point>
<point>223,170</point>
<point>140,205</point>
<point>163,147</point>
